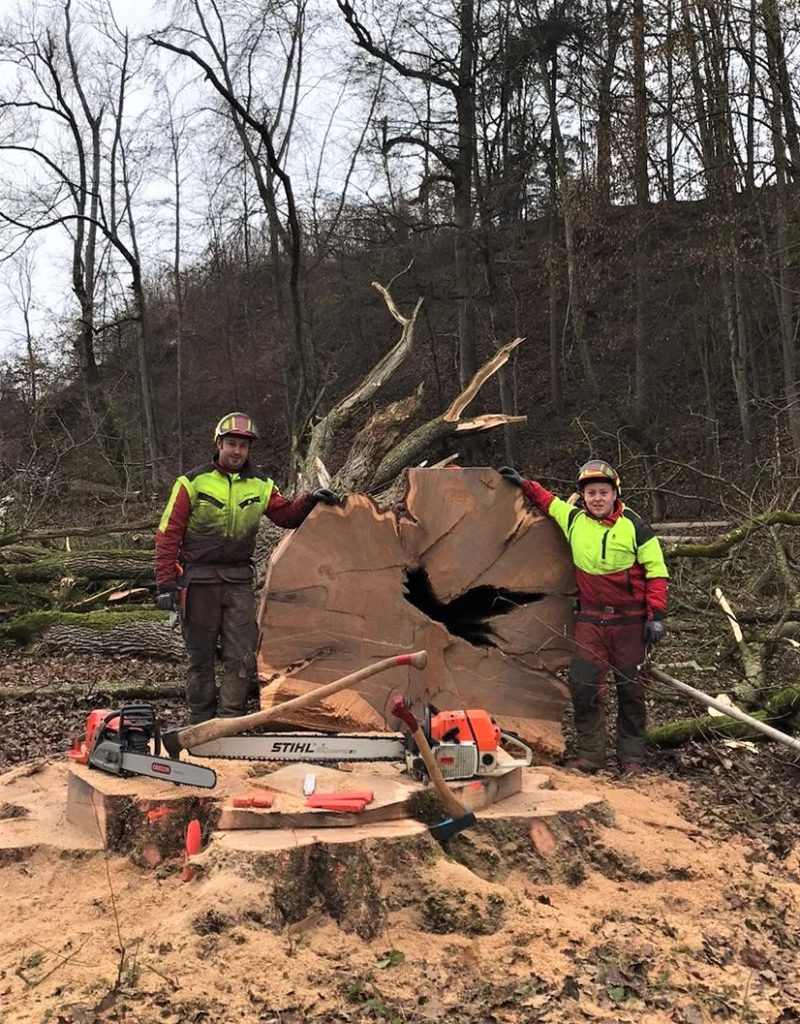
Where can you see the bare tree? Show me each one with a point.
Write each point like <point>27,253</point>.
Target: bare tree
<point>66,116</point>
<point>784,136</point>
<point>446,66</point>
<point>712,113</point>
<point>200,33</point>
<point>550,31</point>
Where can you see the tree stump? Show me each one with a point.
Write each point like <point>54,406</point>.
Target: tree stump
<point>467,570</point>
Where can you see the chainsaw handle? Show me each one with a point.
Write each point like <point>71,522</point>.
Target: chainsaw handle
<point>400,709</point>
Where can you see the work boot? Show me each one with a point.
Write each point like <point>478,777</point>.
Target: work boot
<point>630,769</point>
<point>580,764</point>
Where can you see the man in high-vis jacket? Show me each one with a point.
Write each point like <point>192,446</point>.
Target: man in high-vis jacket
<point>622,603</point>
<point>204,550</point>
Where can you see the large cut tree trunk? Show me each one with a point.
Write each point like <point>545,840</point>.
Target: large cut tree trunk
<point>468,571</point>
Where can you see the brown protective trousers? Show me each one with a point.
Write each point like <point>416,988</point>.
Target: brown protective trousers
<point>600,647</point>
<point>219,611</point>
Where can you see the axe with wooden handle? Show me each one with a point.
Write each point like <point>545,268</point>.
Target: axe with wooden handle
<point>461,817</point>
<point>190,736</point>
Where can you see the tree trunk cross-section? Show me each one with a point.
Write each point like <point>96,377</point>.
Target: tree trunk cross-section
<point>468,571</point>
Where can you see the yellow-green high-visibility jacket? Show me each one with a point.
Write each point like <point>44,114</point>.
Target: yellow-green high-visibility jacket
<point>619,564</point>
<point>210,523</point>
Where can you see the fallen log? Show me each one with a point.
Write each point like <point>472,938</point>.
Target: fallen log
<point>85,565</point>
<point>140,634</point>
<point>118,692</point>
<point>704,727</point>
<point>784,706</point>
<point>76,531</point>
<point>721,545</point>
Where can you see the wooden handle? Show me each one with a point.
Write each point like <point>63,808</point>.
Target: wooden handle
<point>204,732</point>
<point>450,802</point>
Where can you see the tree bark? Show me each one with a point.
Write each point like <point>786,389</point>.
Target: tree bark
<point>785,303</point>
<point>642,202</point>
<point>145,634</point>
<point>577,303</point>
<point>87,565</point>
<point>722,544</point>
<point>462,195</point>
<point>784,705</point>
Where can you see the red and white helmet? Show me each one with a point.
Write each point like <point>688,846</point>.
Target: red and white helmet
<point>236,424</point>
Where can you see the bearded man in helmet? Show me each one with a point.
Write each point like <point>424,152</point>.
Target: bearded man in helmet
<point>204,550</point>
<point>622,603</point>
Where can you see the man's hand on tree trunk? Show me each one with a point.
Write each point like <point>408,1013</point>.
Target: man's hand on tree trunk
<point>510,474</point>
<point>327,496</point>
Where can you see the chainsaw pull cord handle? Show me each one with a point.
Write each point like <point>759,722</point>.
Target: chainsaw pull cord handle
<point>105,727</point>
<point>132,718</point>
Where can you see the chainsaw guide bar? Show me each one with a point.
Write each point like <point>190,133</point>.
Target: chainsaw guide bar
<point>320,748</point>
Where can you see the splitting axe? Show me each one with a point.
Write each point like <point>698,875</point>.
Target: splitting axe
<point>190,736</point>
<point>461,817</point>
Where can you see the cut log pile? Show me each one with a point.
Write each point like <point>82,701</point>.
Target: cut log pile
<point>467,571</point>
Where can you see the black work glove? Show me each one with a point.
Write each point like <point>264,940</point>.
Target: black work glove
<point>167,598</point>
<point>327,496</point>
<point>510,474</point>
<point>654,631</point>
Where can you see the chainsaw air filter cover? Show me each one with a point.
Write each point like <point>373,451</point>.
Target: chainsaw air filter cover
<point>464,743</point>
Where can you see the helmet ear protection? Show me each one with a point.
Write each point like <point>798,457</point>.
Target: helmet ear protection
<point>237,424</point>
<point>597,471</point>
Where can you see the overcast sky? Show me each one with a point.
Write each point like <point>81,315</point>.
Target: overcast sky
<point>52,297</point>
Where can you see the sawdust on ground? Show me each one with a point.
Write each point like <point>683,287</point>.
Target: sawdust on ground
<point>652,919</point>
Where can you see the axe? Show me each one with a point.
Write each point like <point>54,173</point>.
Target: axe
<point>190,736</point>
<point>460,816</point>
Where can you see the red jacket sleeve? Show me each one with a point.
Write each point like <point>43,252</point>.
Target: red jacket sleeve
<point>537,495</point>
<point>656,590</point>
<point>169,536</point>
<point>289,514</point>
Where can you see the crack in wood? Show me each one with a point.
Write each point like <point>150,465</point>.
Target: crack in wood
<point>466,615</point>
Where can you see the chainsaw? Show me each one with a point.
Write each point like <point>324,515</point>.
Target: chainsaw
<point>464,743</point>
<point>119,742</point>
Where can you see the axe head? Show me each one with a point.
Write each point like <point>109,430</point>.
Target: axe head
<point>171,742</point>
<point>452,826</point>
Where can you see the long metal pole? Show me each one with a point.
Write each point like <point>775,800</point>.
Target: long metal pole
<point>726,709</point>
